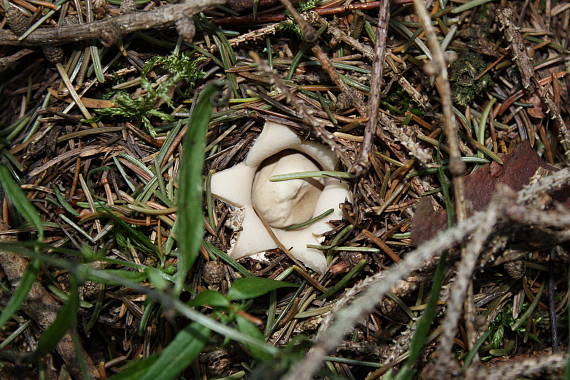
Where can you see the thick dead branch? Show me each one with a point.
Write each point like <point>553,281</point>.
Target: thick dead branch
<point>523,368</point>
<point>364,296</point>
<point>462,282</point>
<point>124,24</point>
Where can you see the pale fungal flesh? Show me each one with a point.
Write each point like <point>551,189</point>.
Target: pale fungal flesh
<point>286,202</point>
<point>278,150</point>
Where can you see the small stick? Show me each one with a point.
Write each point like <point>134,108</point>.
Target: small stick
<point>528,77</point>
<point>462,284</point>
<point>342,36</point>
<point>311,36</point>
<point>456,166</point>
<point>328,67</point>
<point>307,30</point>
<point>7,62</point>
<point>457,169</point>
<point>362,164</point>
<point>248,20</point>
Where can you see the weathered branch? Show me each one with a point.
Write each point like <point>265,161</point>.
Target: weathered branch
<point>456,166</point>
<point>528,77</point>
<point>364,296</point>
<point>361,166</point>
<point>124,24</point>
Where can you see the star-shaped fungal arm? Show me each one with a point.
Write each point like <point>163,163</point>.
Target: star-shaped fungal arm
<point>235,186</point>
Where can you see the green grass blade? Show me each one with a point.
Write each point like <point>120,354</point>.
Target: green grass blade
<point>343,281</point>
<point>298,226</point>
<point>250,329</point>
<point>213,250</point>
<point>81,355</point>
<point>122,227</point>
<point>309,174</point>
<point>21,292</point>
<point>252,287</point>
<point>21,202</point>
<point>135,369</point>
<point>16,333</point>
<point>191,223</point>
<point>63,322</point>
<point>529,311</point>
<point>483,123</point>
<point>446,195</point>
<point>179,354</point>
<point>469,5</point>
<point>97,64</point>
<point>422,330</point>
<point>471,355</point>
<point>84,271</point>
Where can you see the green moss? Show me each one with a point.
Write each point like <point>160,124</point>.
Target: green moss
<point>399,102</point>
<point>308,5</point>
<point>143,108</point>
<point>462,76</point>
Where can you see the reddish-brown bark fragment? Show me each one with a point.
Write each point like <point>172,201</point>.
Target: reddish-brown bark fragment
<point>519,166</point>
<point>427,222</point>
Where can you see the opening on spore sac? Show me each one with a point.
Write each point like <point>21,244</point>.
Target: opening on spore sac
<point>285,203</point>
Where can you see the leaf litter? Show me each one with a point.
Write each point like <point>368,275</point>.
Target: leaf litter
<point>104,192</point>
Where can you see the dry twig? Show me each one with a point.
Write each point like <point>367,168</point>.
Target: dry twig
<point>364,296</point>
<point>456,166</point>
<point>361,166</point>
<point>529,80</point>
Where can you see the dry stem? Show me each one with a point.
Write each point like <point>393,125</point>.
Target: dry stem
<point>456,166</point>
<point>361,166</point>
<point>364,296</point>
<point>528,77</point>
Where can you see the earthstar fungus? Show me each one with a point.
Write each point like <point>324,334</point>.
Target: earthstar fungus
<point>278,150</point>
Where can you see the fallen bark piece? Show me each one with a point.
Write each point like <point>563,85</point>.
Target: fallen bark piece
<point>519,167</point>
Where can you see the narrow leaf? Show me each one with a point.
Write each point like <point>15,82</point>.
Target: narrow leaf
<point>156,277</point>
<point>251,287</point>
<point>136,277</point>
<point>250,329</point>
<point>21,202</point>
<point>64,320</point>
<point>211,298</point>
<point>191,223</point>
<point>213,250</point>
<point>20,294</point>
<point>179,354</point>
<point>135,369</point>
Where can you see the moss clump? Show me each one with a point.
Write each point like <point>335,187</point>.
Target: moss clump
<point>463,74</point>
<point>140,109</point>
